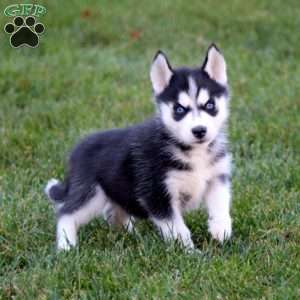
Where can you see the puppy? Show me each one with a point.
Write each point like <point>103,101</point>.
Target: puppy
<point>158,169</point>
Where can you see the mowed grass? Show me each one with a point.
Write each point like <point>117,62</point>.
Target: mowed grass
<point>90,73</point>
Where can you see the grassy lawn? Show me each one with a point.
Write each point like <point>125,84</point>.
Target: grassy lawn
<point>90,72</point>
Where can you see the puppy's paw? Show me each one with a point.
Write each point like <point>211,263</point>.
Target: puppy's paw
<point>63,245</point>
<point>188,244</point>
<point>184,237</point>
<point>220,229</point>
<point>194,251</point>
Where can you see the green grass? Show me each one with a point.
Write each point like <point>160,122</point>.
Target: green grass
<point>91,73</point>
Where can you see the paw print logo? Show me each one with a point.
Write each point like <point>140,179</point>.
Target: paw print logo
<point>24,32</point>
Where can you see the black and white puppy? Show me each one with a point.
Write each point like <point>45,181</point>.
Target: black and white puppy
<point>161,168</point>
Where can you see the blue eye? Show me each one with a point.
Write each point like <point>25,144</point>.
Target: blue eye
<point>210,105</point>
<point>179,110</point>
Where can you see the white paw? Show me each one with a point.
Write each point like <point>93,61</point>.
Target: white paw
<point>184,236</point>
<point>63,244</point>
<point>220,229</point>
<point>188,243</point>
<point>52,182</point>
<point>193,251</point>
<point>66,233</point>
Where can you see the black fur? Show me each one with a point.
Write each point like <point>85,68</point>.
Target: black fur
<point>57,193</point>
<point>129,164</point>
<point>179,82</point>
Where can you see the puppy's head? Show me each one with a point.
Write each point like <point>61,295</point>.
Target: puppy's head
<point>193,103</point>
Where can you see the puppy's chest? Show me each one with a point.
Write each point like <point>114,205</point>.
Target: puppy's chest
<point>187,187</point>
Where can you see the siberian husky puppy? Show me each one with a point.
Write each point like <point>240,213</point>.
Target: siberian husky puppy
<point>158,169</point>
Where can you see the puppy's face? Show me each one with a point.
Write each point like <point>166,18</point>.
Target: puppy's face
<point>193,103</point>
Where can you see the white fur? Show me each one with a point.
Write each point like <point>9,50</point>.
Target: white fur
<point>52,182</point>
<point>201,183</point>
<point>216,66</point>
<point>66,233</point>
<point>215,123</point>
<point>98,205</point>
<point>175,229</point>
<point>203,96</point>
<point>68,225</point>
<point>194,182</point>
<point>182,129</point>
<point>192,88</point>
<point>160,73</point>
<point>185,100</point>
<point>217,202</point>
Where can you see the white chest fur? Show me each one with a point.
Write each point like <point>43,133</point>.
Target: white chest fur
<point>188,187</point>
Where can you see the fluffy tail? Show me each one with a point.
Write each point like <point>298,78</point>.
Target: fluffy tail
<point>55,190</point>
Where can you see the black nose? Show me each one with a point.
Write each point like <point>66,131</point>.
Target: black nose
<point>199,132</point>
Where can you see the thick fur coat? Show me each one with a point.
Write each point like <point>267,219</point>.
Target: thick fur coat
<point>161,168</point>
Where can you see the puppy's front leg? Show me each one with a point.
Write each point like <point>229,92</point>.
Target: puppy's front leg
<point>174,228</point>
<point>217,201</point>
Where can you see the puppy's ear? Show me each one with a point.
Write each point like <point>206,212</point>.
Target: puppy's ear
<point>160,72</point>
<point>215,65</point>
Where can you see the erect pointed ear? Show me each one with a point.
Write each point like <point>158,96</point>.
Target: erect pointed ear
<point>215,65</point>
<point>160,72</point>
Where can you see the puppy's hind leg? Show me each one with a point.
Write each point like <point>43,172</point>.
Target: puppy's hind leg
<point>73,215</point>
<point>66,232</point>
